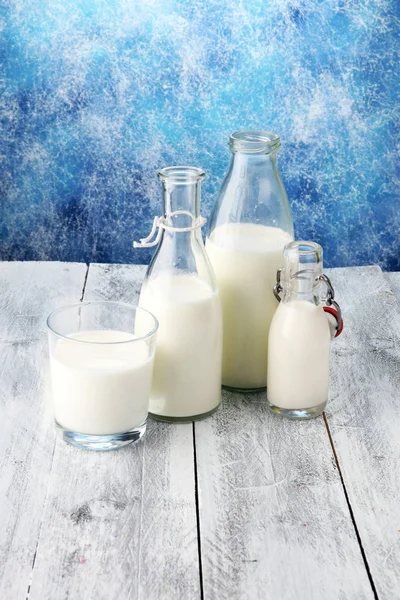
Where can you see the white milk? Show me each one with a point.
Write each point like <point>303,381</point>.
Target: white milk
<point>187,367</point>
<point>101,389</point>
<point>245,258</point>
<point>298,355</point>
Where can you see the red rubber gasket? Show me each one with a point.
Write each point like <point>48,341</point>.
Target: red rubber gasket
<point>335,313</point>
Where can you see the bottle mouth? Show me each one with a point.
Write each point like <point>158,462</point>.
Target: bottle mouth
<point>305,248</point>
<point>254,142</point>
<point>181,174</point>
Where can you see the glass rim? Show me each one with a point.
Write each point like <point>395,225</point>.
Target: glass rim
<point>181,173</point>
<point>254,140</point>
<point>135,307</point>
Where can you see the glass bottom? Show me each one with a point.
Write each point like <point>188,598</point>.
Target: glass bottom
<point>299,413</point>
<point>183,419</point>
<point>101,443</point>
<point>244,390</point>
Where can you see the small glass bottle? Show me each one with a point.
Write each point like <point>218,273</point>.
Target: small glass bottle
<point>250,225</point>
<point>300,336</point>
<point>180,289</point>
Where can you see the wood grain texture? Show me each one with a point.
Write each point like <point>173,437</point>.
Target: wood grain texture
<point>121,525</point>
<point>274,521</point>
<point>29,292</point>
<point>364,416</point>
<point>394,282</point>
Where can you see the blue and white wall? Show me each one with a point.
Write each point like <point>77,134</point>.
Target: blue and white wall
<point>98,94</point>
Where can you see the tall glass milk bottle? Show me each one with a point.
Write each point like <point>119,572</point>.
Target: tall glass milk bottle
<point>180,289</point>
<point>250,225</point>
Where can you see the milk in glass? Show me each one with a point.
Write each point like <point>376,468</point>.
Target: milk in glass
<point>187,369</point>
<point>245,258</point>
<point>101,388</point>
<point>299,350</point>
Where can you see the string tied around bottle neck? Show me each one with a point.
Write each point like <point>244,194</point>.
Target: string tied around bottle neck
<point>165,223</point>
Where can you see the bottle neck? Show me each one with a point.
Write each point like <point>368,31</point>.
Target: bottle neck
<point>302,269</point>
<point>181,249</point>
<point>182,189</point>
<point>303,286</point>
<point>181,202</point>
<point>244,165</point>
<point>253,152</point>
<point>181,236</point>
<point>252,190</point>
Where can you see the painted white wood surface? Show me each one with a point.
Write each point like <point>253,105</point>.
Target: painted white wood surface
<point>274,521</point>
<point>364,416</point>
<point>394,282</point>
<point>28,293</point>
<point>121,525</point>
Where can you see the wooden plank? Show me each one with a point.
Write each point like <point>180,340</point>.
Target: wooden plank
<point>29,292</point>
<point>274,521</point>
<point>121,524</point>
<point>364,416</point>
<point>394,282</point>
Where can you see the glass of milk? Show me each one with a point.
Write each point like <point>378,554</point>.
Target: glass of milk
<point>101,364</point>
<point>250,225</point>
<point>300,337</point>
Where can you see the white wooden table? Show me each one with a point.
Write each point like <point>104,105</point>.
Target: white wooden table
<point>243,505</point>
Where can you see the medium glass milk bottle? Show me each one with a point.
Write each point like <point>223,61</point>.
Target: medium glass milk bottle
<point>300,335</point>
<point>250,225</point>
<point>180,288</point>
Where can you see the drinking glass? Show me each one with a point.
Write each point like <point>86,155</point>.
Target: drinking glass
<point>101,363</point>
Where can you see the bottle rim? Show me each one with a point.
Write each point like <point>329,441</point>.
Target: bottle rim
<point>304,247</point>
<point>254,141</point>
<point>181,174</point>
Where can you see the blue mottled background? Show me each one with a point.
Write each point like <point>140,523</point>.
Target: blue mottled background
<point>98,94</point>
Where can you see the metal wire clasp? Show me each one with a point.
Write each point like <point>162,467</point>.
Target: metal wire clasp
<point>330,299</point>
<point>277,287</point>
